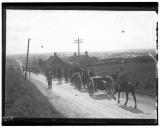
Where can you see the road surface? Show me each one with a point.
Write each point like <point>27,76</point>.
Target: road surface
<point>74,104</point>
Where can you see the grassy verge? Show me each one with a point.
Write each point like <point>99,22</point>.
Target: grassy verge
<point>22,98</point>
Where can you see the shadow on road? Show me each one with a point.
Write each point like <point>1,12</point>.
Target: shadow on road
<point>102,97</point>
<point>131,109</point>
<point>84,90</point>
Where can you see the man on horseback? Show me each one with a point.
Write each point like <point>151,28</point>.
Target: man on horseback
<point>122,77</point>
<point>122,85</point>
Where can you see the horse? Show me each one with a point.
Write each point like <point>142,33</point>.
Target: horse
<point>127,87</point>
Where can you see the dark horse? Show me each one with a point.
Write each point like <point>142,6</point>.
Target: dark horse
<point>127,88</point>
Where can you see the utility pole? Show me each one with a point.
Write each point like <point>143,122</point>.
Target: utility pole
<point>27,57</point>
<point>78,41</point>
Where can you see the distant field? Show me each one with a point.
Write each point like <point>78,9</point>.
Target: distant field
<point>143,72</point>
<point>22,98</point>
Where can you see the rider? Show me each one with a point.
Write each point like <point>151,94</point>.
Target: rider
<point>122,76</point>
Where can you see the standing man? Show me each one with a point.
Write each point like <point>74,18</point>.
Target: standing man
<point>49,79</point>
<point>65,73</point>
<point>59,75</point>
<point>84,77</point>
<point>54,73</point>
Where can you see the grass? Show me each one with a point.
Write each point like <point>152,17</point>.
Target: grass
<point>143,72</point>
<point>23,99</point>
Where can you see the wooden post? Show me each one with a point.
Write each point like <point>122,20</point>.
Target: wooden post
<point>27,57</point>
<point>78,42</point>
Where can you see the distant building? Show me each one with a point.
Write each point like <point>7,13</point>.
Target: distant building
<point>83,59</point>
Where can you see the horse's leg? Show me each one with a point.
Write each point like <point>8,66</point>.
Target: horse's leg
<point>113,95</point>
<point>127,98</point>
<point>133,94</point>
<point>110,89</point>
<point>119,97</point>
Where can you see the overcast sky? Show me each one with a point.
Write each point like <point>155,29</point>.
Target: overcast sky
<point>100,30</point>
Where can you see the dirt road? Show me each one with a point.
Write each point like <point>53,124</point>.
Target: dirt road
<point>74,104</point>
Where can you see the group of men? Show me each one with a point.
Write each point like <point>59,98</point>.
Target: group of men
<point>67,73</point>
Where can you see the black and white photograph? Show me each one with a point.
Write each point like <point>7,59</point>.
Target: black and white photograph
<point>80,63</point>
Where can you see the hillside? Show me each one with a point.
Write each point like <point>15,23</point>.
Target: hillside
<point>22,98</point>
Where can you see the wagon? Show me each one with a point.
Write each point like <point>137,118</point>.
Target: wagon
<point>100,83</point>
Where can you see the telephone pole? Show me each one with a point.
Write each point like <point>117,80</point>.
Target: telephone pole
<point>27,57</point>
<point>78,41</point>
